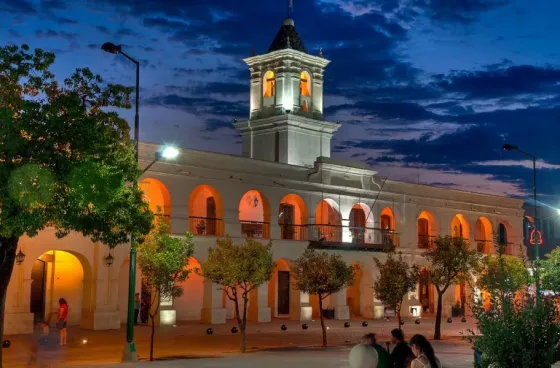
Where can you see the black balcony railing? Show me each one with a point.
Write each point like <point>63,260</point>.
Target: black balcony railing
<point>484,246</point>
<point>255,229</point>
<point>293,232</point>
<point>425,241</point>
<point>206,226</point>
<point>328,233</point>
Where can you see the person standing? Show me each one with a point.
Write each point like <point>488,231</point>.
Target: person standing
<point>424,353</point>
<point>137,304</point>
<point>382,354</point>
<point>62,320</point>
<point>402,355</point>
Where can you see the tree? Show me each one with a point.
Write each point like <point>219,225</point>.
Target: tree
<point>503,276</point>
<point>396,279</point>
<point>519,331</point>
<point>322,274</point>
<point>550,272</point>
<point>64,161</point>
<point>163,260</point>
<point>451,261</point>
<point>239,269</point>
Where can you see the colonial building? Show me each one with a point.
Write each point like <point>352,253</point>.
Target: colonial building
<point>285,188</point>
<point>547,232</point>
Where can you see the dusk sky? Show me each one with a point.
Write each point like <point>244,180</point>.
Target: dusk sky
<point>425,90</point>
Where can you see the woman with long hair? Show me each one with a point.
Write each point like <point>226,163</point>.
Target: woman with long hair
<point>424,353</point>
<point>62,320</point>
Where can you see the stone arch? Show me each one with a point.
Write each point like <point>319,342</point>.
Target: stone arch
<point>460,227</point>
<point>328,221</point>
<point>283,296</point>
<point>254,215</point>
<point>64,274</point>
<point>292,217</point>
<point>189,305</point>
<point>483,235</point>
<point>361,224</point>
<point>156,195</point>
<point>206,211</point>
<point>427,229</point>
<point>387,226</point>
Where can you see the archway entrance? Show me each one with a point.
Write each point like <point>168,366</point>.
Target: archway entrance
<point>460,227</point>
<point>254,215</point>
<point>353,295</point>
<point>283,297</point>
<point>483,235</point>
<point>292,217</point>
<point>60,274</point>
<point>206,211</point>
<point>426,229</point>
<point>190,304</point>
<point>328,221</point>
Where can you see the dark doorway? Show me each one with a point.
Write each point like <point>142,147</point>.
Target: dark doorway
<point>283,292</point>
<point>357,224</point>
<point>38,277</point>
<point>287,221</point>
<point>423,233</point>
<point>211,216</point>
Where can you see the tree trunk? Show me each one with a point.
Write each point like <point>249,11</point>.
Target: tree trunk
<point>152,317</point>
<point>398,312</point>
<point>323,328</point>
<point>239,322</point>
<point>8,248</point>
<point>437,332</point>
<point>244,329</point>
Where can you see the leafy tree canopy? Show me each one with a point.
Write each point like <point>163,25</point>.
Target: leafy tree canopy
<point>66,160</point>
<point>318,272</point>
<point>507,274</point>
<point>396,279</point>
<point>550,272</point>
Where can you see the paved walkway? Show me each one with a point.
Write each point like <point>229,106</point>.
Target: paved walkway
<point>98,348</point>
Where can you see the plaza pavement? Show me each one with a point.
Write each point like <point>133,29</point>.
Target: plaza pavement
<point>188,345</point>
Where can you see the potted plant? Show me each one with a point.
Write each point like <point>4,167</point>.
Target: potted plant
<point>457,310</point>
<point>201,227</point>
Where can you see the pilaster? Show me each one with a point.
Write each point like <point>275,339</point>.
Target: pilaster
<point>212,310</point>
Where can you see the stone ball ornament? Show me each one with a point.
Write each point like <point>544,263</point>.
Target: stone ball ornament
<point>234,330</point>
<point>209,331</point>
<point>365,323</point>
<point>6,344</point>
<point>346,324</point>
<point>284,327</point>
<point>449,320</point>
<point>363,356</point>
<point>417,322</point>
<point>304,326</point>
<point>464,320</point>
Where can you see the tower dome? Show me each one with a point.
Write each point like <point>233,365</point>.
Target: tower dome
<point>287,38</point>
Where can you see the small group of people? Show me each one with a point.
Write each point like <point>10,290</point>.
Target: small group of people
<point>416,354</point>
<point>141,309</point>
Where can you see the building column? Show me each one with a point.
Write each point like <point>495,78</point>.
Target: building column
<point>346,234</point>
<point>232,227</point>
<point>338,302</point>
<point>212,311</point>
<point>259,311</point>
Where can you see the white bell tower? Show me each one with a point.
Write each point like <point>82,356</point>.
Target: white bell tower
<point>286,119</point>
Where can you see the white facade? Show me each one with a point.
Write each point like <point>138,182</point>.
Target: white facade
<point>285,188</point>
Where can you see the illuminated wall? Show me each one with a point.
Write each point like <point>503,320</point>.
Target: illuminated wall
<point>189,305</point>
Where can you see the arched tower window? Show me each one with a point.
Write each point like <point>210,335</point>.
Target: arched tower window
<point>305,84</point>
<point>269,84</point>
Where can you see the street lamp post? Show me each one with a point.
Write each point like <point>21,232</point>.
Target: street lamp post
<point>509,147</point>
<point>129,352</point>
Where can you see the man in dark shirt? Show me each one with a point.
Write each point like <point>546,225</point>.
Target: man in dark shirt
<point>402,354</point>
<point>382,354</point>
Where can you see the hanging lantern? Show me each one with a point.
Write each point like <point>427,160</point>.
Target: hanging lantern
<point>109,260</point>
<point>20,257</point>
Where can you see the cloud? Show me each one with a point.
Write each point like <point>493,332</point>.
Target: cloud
<point>457,11</point>
<point>24,7</point>
<point>527,164</point>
